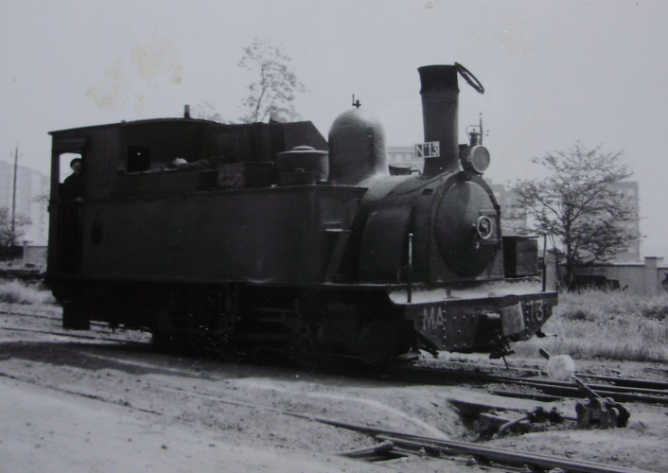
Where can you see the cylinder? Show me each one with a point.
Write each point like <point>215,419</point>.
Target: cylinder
<point>440,103</point>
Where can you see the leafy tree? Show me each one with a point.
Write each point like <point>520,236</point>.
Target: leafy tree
<point>8,236</point>
<point>274,91</point>
<point>580,205</point>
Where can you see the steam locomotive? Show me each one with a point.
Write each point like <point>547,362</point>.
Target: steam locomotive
<point>266,236</point>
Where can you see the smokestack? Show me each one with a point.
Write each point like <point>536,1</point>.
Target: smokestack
<point>440,103</point>
<point>186,111</point>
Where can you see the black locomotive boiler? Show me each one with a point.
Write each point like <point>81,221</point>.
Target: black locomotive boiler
<point>267,236</point>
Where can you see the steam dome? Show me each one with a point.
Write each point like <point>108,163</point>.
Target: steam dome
<point>356,148</point>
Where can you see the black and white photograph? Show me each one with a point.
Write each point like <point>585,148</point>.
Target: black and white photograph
<point>314,236</point>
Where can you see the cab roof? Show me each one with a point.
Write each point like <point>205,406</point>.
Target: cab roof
<point>150,121</point>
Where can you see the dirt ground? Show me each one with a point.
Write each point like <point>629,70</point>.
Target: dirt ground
<point>100,401</point>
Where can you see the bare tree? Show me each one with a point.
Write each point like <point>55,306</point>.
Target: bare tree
<point>580,205</point>
<point>274,91</point>
<point>8,236</point>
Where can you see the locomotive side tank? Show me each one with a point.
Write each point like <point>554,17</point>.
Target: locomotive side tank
<point>268,237</point>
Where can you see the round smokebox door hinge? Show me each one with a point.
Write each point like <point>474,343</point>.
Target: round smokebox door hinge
<point>484,228</point>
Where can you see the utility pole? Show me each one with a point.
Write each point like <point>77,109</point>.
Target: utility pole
<point>16,165</point>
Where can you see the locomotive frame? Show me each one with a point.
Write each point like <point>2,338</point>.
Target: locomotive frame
<point>256,237</point>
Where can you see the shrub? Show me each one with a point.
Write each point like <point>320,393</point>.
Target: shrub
<point>16,292</point>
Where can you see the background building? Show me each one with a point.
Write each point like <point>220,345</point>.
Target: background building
<point>404,156</point>
<point>513,215</point>
<point>632,253</point>
<point>32,190</point>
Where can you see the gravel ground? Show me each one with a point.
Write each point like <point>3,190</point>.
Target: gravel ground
<point>106,403</point>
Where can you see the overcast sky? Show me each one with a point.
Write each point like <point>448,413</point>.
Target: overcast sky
<point>554,72</point>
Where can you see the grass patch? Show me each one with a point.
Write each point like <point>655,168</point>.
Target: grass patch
<point>18,292</point>
<point>606,324</point>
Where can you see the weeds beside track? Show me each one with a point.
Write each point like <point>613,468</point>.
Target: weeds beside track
<point>606,324</point>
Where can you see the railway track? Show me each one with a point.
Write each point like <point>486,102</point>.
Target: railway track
<point>532,385</point>
<point>55,318</point>
<point>619,389</point>
<point>75,336</point>
<point>98,331</point>
<point>393,444</point>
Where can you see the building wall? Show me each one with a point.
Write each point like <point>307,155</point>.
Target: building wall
<point>30,186</point>
<point>35,255</point>
<point>649,278</point>
<point>404,156</point>
<point>631,192</point>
